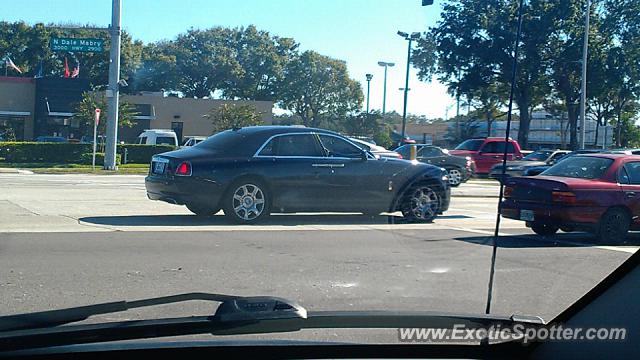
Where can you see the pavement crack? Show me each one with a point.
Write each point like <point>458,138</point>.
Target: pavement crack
<point>23,208</point>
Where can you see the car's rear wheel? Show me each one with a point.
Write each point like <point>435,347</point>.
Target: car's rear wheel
<point>613,226</point>
<point>420,203</point>
<point>455,176</point>
<point>247,202</point>
<point>202,210</point>
<point>543,229</point>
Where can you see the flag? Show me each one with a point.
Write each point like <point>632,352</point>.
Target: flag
<point>76,71</point>
<point>66,68</point>
<point>9,63</point>
<point>40,70</point>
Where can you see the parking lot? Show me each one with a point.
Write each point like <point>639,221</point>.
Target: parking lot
<point>80,239</point>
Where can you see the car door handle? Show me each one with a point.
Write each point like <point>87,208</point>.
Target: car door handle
<point>630,194</point>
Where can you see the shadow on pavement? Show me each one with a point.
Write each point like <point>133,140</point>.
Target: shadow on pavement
<point>559,240</point>
<point>275,219</point>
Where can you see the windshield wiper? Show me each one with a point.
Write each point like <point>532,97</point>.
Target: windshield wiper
<point>235,315</point>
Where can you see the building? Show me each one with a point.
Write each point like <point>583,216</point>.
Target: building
<point>44,107</point>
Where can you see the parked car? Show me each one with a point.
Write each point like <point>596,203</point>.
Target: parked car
<point>624,151</point>
<point>459,169</point>
<point>51,139</point>
<point>158,137</point>
<point>88,139</point>
<point>487,152</point>
<point>193,140</point>
<point>376,149</point>
<point>536,170</point>
<point>599,193</point>
<point>536,158</point>
<point>252,171</point>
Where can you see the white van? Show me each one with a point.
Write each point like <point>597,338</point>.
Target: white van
<point>158,137</point>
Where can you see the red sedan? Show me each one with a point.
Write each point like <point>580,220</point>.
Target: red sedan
<point>599,193</point>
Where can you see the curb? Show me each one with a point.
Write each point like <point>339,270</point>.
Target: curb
<point>15,171</point>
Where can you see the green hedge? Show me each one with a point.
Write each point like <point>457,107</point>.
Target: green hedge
<point>18,152</point>
<point>87,158</point>
<point>141,154</point>
<point>73,153</point>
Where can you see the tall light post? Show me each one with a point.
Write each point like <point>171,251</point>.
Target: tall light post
<point>384,89</point>
<point>113,89</point>
<point>583,91</point>
<point>409,38</point>
<point>369,77</point>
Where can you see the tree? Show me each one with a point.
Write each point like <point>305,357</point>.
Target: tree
<point>232,116</point>
<point>85,112</point>
<point>474,45</point>
<point>318,89</point>
<point>468,128</point>
<point>205,61</point>
<point>262,59</point>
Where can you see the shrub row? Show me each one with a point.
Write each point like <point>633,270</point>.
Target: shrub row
<point>71,153</point>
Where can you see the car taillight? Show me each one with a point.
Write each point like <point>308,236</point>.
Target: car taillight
<point>508,190</point>
<point>563,197</point>
<point>184,169</point>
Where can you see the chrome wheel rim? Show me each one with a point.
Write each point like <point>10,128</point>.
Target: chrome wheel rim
<point>248,202</point>
<point>424,203</point>
<point>455,177</point>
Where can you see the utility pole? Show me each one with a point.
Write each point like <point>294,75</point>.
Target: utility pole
<point>369,77</point>
<point>384,91</point>
<point>410,38</point>
<point>583,91</point>
<point>112,90</point>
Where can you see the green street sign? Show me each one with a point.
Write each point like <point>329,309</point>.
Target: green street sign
<point>77,44</point>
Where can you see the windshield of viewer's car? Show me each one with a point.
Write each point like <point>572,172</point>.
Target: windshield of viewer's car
<point>584,167</point>
<point>279,199</point>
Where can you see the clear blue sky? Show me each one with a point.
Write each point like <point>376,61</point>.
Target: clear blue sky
<point>361,32</point>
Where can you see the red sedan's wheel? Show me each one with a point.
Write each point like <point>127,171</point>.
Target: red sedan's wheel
<point>614,226</point>
<point>544,229</point>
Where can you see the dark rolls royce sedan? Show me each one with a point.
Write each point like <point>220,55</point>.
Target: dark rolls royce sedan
<point>253,171</point>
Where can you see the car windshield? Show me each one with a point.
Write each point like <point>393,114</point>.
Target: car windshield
<point>584,167</point>
<point>538,156</point>
<point>279,199</point>
<point>472,144</point>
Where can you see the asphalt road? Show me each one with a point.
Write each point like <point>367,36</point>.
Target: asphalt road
<point>77,240</point>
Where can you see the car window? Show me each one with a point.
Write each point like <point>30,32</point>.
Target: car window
<point>291,145</point>
<point>584,167</point>
<point>142,140</point>
<point>557,156</point>
<point>498,147</point>
<point>337,147</point>
<point>623,176</point>
<point>429,151</point>
<point>168,140</point>
<point>632,172</point>
<point>471,144</point>
<point>537,155</point>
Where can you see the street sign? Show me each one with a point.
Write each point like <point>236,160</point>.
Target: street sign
<point>77,44</point>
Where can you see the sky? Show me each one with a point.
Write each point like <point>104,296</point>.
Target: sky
<point>361,32</point>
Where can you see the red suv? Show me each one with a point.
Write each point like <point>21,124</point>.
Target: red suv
<point>487,152</point>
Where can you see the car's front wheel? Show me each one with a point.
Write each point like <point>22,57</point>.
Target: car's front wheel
<point>613,226</point>
<point>420,203</point>
<point>455,176</point>
<point>247,202</point>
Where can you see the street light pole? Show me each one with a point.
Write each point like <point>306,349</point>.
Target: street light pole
<point>113,91</point>
<point>369,77</point>
<point>410,38</point>
<point>384,91</point>
<point>583,91</point>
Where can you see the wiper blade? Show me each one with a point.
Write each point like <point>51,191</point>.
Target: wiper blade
<point>235,315</point>
<point>65,316</point>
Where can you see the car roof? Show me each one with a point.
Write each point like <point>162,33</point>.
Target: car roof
<point>612,156</point>
<point>270,130</point>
